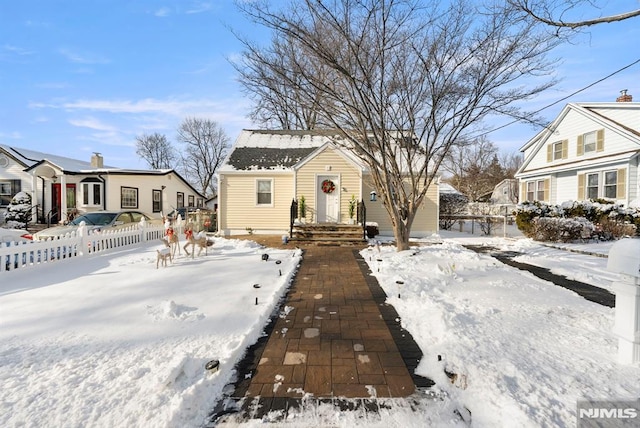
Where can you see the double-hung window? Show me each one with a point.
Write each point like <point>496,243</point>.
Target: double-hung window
<point>610,184</point>
<point>592,186</point>
<point>264,192</point>
<point>557,150</point>
<point>589,141</point>
<point>157,200</point>
<point>535,190</point>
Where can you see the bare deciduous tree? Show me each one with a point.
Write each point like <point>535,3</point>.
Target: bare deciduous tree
<point>554,12</point>
<point>404,80</point>
<point>156,150</point>
<point>468,164</point>
<point>266,73</point>
<point>205,148</point>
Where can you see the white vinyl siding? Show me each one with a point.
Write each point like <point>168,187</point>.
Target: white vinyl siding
<point>575,124</point>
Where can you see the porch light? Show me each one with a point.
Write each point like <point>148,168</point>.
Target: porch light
<point>372,196</point>
<point>54,177</point>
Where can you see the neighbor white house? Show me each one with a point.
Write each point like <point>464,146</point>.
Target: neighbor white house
<point>266,171</point>
<point>88,186</point>
<point>590,151</point>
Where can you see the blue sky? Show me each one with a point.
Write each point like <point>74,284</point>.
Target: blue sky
<point>78,77</point>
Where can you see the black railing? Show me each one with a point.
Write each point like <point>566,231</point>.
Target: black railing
<point>53,213</point>
<point>293,214</point>
<point>362,218</point>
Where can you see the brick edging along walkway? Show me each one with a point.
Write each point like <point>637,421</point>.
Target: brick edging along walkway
<point>332,339</point>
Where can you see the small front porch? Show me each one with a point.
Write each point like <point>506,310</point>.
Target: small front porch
<point>328,234</point>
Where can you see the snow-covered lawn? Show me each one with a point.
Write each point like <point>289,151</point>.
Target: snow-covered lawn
<point>112,341</point>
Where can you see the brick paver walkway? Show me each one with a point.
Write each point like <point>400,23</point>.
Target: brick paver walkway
<point>333,340</point>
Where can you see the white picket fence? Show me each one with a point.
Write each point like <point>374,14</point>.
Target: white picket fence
<point>78,244</point>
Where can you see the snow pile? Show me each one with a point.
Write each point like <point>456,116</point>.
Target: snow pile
<point>518,351</point>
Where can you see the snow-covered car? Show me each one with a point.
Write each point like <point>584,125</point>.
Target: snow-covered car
<point>98,220</point>
<point>14,235</point>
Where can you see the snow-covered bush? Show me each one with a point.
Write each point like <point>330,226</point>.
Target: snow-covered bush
<point>559,229</point>
<point>19,211</point>
<point>608,220</point>
<point>611,228</point>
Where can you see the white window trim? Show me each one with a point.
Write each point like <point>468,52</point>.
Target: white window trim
<point>614,185</point>
<point>586,185</point>
<point>256,193</point>
<point>90,202</point>
<point>137,194</point>
<point>553,151</point>
<point>536,184</point>
<point>584,142</point>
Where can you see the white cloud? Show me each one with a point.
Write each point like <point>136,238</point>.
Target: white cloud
<point>92,123</point>
<point>53,85</point>
<point>171,107</point>
<point>82,58</point>
<point>11,135</point>
<point>199,7</point>
<point>162,12</point>
<point>16,50</point>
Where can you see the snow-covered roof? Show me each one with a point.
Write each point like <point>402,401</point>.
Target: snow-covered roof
<point>30,157</point>
<point>274,150</point>
<point>448,188</point>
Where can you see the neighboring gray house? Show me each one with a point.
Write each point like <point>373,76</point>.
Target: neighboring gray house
<point>591,150</point>
<point>505,192</point>
<point>89,186</point>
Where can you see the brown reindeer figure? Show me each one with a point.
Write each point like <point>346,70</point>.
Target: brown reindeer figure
<point>200,240</point>
<point>172,241</point>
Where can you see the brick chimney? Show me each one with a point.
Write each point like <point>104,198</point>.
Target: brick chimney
<point>97,161</point>
<point>624,98</point>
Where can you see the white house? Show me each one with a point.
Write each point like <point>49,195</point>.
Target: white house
<point>267,170</point>
<point>590,151</point>
<point>89,186</point>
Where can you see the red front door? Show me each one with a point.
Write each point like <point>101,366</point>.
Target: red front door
<point>56,200</point>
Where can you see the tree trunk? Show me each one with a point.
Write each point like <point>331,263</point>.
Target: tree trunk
<point>401,233</point>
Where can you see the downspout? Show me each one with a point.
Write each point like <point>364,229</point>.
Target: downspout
<point>38,220</point>
<point>104,191</point>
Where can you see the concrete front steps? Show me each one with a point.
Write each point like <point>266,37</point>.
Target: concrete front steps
<point>328,234</point>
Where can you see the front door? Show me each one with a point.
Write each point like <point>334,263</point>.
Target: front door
<point>328,198</point>
<point>56,200</point>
